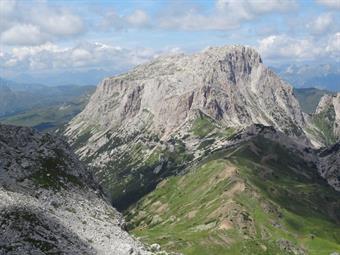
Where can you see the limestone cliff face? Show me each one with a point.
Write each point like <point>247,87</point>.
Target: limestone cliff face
<point>331,104</point>
<point>50,204</point>
<point>230,84</point>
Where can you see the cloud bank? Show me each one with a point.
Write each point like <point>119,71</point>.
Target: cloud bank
<point>34,23</point>
<point>41,35</point>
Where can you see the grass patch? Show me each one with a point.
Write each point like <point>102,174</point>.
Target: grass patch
<point>324,122</point>
<point>202,126</point>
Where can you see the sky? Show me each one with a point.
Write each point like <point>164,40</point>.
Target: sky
<point>48,38</point>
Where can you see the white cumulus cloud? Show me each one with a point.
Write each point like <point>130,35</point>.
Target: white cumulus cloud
<point>330,3</point>
<point>7,7</point>
<point>284,47</point>
<point>57,22</point>
<point>136,19</point>
<point>250,8</point>
<point>36,22</point>
<point>333,46</point>
<point>22,34</point>
<point>50,56</point>
<point>323,23</point>
<point>226,14</point>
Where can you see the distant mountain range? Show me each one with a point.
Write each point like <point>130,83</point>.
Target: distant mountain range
<point>299,75</point>
<point>39,105</point>
<point>309,98</point>
<point>321,76</point>
<point>58,78</point>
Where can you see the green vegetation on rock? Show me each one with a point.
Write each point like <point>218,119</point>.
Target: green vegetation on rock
<point>259,198</point>
<point>324,123</point>
<point>132,175</point>
<point>202,126</point>
<point>52,174</point>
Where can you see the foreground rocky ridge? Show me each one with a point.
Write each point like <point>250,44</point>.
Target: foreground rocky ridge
<point>49,202</point>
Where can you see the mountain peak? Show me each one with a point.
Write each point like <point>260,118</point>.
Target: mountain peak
<point>230,84</point>
<point>233,59</point>
<point>233,49</point>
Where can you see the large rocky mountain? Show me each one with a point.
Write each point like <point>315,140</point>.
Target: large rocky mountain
<point>50,204</point>
<point>136,124</point>
<point>212,154</point>
<point>229,84</point>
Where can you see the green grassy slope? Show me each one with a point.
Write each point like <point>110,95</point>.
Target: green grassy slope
<point>324,121</point>
<point>257,198</point>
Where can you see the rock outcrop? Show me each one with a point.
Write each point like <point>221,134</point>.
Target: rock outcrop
<point>324,124</point>
<point>49,203</point>
<point>329,165</point>
<point>331,104</point>
<point>327,117</point>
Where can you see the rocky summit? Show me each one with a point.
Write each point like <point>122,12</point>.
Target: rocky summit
<point>50,204</point>
<point>229,84</point>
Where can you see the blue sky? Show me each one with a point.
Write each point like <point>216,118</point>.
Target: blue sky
<point>51,36</point>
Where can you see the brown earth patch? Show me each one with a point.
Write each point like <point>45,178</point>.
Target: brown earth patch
<point>162,183</point>
<point>162,208</point>
<point>237,187</point>
<point>226,173</point>
<point>192,214</point>
<point>225,225</point>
